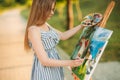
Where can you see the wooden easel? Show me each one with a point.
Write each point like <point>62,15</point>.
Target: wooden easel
<point>103,22</point>
<point>107,13</point>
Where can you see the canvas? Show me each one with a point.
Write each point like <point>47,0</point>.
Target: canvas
<point>91,45</point>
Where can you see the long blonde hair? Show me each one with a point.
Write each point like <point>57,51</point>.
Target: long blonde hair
<point>40,10</point>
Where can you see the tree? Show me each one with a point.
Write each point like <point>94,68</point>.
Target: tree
<point>79,12</point>
<point>70,17</point>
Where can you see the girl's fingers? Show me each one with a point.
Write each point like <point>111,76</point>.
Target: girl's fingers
<point>79,60</point>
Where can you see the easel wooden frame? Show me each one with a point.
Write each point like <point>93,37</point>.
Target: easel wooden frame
<point>103,22</point>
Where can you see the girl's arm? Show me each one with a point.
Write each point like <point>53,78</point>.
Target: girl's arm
<point>69,33</point>
<point>35,38</point>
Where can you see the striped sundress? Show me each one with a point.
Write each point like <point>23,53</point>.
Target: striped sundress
<point>39,72</point>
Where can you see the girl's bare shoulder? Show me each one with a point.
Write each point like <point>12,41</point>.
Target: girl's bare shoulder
<point>33,28</point>
<point>33,32</point>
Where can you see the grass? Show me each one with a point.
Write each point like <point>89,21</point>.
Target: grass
<point>112,51</point>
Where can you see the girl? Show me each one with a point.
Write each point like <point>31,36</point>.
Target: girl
<point>43,38</point>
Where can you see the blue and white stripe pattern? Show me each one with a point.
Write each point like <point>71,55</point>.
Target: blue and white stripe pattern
<point>39,72</point>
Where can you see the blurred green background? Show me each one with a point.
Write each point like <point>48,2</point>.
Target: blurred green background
<point>59,21</point>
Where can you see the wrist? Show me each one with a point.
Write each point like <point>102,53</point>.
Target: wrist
<point>70,63</point>
<point>67,62</point>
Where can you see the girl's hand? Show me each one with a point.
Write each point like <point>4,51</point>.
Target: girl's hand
<point>77,62</point>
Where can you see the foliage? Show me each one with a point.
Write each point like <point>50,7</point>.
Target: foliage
<point>21,1</point>
<point>7,3</point>
<point>60,5</point>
